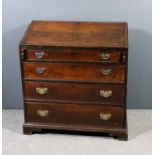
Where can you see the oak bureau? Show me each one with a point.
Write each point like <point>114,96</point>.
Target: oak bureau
<point>74,77</point>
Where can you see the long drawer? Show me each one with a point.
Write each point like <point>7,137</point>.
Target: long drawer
<point>91,93</point>
<point>87,115</point>
<point>74,72</point>
<point>78,55</point>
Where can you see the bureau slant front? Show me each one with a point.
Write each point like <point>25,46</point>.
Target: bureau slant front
<point>74,77</point>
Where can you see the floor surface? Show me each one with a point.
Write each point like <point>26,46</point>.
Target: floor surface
<point>15,143</point>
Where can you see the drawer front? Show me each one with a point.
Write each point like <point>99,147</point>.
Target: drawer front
<point>75,72</point>
<point>87,115</point>
<point>97,93</point>
<point>82,55</point>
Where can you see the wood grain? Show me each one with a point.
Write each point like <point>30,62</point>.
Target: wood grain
<point>76,34</point>
<point>76,72</point>
<point>76,55</point>
<point>76,92</point>
<point>73,72</point>
<point>75,114</point>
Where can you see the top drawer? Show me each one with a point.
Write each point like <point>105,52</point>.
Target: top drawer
<point>77,55</point>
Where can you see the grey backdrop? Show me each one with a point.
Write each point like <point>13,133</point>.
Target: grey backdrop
<point>17,14</point>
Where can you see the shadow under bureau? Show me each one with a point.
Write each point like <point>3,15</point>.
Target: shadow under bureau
<point>74,76</point>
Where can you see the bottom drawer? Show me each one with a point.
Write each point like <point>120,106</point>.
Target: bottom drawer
<point>75,114</point>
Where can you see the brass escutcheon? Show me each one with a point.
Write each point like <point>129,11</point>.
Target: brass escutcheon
<point>40,70</point>
<point>106,71</point>
<point>105,116</point>
<point>42,113</point>
<point>105,56</point>
<point>42,91</point>
<point>105,93</point>
<point>39,55</point>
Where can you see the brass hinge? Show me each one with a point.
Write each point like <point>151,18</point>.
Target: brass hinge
<point>124,57</point>
<point>22,52</point>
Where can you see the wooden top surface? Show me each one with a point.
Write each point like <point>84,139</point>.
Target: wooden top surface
<point>76,34</point>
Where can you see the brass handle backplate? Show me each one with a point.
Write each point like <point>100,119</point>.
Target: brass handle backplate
<point>105,93</point>
<point>105,116</point>
<point>40,55</point>
<point>106,71</point>
<point>42,91</point>
<point>42,113</point>
<point>105,56</point>
<point>40,70</point>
